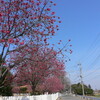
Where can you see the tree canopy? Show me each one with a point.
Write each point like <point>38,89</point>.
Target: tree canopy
<point>77,89</point>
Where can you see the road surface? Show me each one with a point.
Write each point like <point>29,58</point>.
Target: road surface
<point>67,97</point>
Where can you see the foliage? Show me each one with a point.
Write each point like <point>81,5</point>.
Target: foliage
<point>6,89</point>
<point>22,21</point>
<point>23,89</point>
<point>77,89</point>
<point>66,83</point>
<point>39,65</point>
<point>89,86</point>
<point>51,85</point>
<point>25,27</point>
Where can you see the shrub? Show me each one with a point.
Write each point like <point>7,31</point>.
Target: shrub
<point>23,89</point>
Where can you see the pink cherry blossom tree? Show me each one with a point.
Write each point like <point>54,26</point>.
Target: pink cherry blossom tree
<point>22,21</point>
<point>38,65</point>
<point>51,85</point>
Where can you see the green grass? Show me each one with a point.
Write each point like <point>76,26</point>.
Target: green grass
<point>97,96</point>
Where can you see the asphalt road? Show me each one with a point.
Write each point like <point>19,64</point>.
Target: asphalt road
<point>69,98</point>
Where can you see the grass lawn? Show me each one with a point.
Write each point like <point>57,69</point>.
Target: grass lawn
<point>97,96</point>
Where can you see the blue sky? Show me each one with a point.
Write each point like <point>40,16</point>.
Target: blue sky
<point>81,24</point>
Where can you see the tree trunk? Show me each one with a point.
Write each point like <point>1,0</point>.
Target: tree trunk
<point>33,89</point>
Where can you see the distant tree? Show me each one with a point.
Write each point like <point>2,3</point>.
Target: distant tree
<point>77,89</point>
<point>66,83</point>
<point>51,85</point>
<point>89,86</point>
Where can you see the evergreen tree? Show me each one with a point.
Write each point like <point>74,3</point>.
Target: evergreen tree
<point>77,89</point>
<point>89,86</point>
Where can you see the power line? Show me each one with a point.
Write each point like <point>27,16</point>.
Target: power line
<point>94,62</point>
<point>93,45</point>
<point>93,77</point>
<point>92,72</point>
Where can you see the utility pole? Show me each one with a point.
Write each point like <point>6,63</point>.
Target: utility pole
<point>70,89</point>
<point>81,77</point>
<point>70,85</point>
